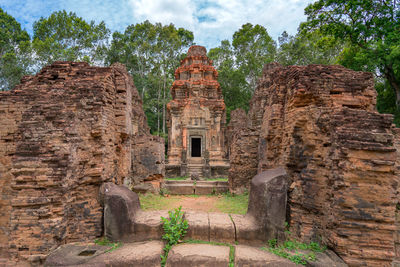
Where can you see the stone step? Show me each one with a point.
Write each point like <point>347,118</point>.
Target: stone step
<point>201,182</point>
<point>198,188</point>
<point>148,226</point>
<point>213,226</point>
<point>204,226</point>
<point>253,256</point>
<point>191,253</point>
<point>184,255</point>
<point>194,168</point>
<point>89,254</point>
<point>180,188</point>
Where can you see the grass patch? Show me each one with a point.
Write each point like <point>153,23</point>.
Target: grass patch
<point>236,204</point>
<point>195,241</point>
<point>156,202</point>
<point>220,179</point>
<point>293,250</point>
<point>177,178</point>
<point>226,203</point>
<point>103,241</point>
<point>290,250</point>
<point>231,256</point>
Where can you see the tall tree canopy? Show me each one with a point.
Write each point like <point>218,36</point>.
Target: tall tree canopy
<point>232,79</point>
<point>151,53</point>
<point>308,48</point>
<point>65,36</point>
<point>253,47</point>
<point>14,42</point>
<point>240,64</point>
<point>371,30</point>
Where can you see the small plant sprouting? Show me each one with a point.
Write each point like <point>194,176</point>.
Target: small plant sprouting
<point>272,243</point>
<point>103,241</point>
<point>164,191</point>
<point>287,229</point>
<point>289,249</point>
<point>174,230</point>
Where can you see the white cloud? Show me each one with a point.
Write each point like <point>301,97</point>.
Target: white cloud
<point>210,20</point>
<point>213,21</point>
<point>179,12</point>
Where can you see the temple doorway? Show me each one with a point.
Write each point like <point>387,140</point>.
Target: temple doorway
<point>196,147</point>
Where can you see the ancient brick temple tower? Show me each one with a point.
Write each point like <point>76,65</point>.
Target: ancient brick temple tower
<point>196,119</point>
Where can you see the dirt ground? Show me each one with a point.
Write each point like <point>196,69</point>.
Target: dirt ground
<point>209,203</point>
<point>203,203</point>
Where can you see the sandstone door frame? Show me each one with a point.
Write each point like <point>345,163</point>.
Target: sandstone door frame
<point>201,136</point>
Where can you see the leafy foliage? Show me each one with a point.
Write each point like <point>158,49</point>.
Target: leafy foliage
<point>371,31</point>
<point>65,36</point>
<point>174,230</point>
<point>289,249</point>
<point>14,51</point>
<point>253,47</point>
<point>361,35</point>
<point>240,64</point>
<point>308,48</point>
<point>151,53</point>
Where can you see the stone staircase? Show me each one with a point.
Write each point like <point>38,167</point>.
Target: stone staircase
<point>212,239</point>
<point>195,168</point>
<point>189,187</point>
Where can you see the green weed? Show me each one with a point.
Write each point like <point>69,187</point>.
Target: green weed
<point>289,249</point>
<point>177,178</point>
<point>174,230</point>
<point>103,241</point>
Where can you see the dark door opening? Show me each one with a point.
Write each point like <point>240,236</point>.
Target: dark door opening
<point>196,147</point>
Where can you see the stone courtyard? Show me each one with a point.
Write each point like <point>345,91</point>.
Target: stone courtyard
<point>312,151</point>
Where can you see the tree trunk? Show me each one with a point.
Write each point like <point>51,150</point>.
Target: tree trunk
<point>163,114</point>
<point>158,109</point>
<point>394,83</point>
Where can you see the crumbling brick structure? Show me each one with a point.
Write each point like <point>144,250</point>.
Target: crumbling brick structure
<point>243,151</point>
<point>196,119</point>
<point>63,133</point>
<point>320,123</point>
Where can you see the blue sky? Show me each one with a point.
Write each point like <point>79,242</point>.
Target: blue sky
<point>210,21</point>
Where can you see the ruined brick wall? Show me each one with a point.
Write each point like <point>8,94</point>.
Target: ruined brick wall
<point>320,123</point>
<point>148,151</point>
<point>63,133</point>
<point>243,151</point>
<point>396,133</point>
<point>148,158</point>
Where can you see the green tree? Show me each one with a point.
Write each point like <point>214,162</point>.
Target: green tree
<point>65,36</point>
<point>14,45</point>
<point>371,29</point>
<point>308,48</point>
<point>253,48</point>
<point>240,65</point>
<point>232,80</point>
<point>151,53</point>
